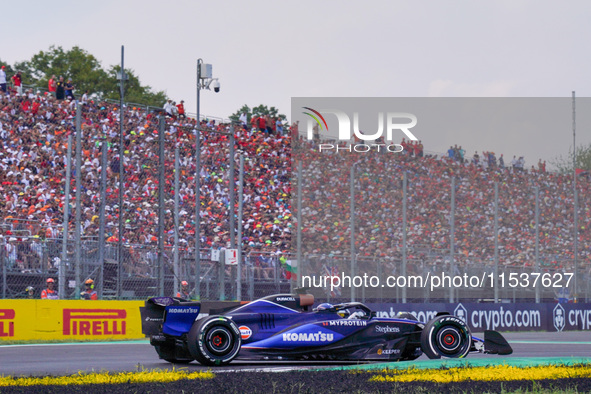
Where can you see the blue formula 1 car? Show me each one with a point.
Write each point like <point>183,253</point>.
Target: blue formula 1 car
<point>284,327</point>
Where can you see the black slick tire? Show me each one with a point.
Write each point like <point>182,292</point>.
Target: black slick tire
<point>446,336</point>
<point>214,341</point>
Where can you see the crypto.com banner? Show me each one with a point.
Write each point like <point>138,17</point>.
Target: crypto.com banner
<point>501,317</point>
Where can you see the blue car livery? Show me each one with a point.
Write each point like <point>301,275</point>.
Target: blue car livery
<point>285,327</point>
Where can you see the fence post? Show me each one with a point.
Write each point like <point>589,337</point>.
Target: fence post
<point>363,294</point>
<point>381,276</point>
<point>101,240</point>
<point>427,293</point>
<point>42,257</point>
<point>222,273</point>
<point>300,263</point>
<point>62,266</point>
<point>232,186</point>
<point>352,200</point>
<point>251,283</point>
<point>3,262</point>
<point>45,264</point>
<point>496,229</point>
<point>576,206</point>
<point>77,233</point>
<point>537,264</point>
<point>121,180</point>
<point>404,229</point>
<point>175,279</point>
<point>452,215</point>
<point>197,204</point>
<point>161,206</point>
<point>275,261</point>
<point>240,213</point>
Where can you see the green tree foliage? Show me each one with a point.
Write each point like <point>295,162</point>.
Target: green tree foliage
<point>84,69</point>
<point>565,164</point>
<point>86,73</point>
<point>260,110</point>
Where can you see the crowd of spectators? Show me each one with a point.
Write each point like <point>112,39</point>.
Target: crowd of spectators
<point>34,130</point>
<point>378,210</point>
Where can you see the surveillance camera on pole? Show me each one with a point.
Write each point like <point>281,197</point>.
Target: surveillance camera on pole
<point>216,85</point>
<point>212,83</point>
<point>205,76</point>
<point>204,80</point>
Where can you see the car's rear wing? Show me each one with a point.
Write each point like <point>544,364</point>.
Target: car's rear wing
<point>154,312</point>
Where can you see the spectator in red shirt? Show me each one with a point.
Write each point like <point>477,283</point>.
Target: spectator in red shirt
<point>181,109</point>
<point>35,107</point>
<point>52,85</point>
<point>17,82</point>
<point>262,123</point>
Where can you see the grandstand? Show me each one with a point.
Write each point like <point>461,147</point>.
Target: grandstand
<point>378,217</point>
<point>34,131</point>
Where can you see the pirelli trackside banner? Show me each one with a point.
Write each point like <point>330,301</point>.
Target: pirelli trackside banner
<point>69,320</point>
<point>501,317</point>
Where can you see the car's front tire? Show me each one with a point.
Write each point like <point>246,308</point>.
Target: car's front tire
<point>177,361</point>
<point>214,340</point>
<point>446,336</point>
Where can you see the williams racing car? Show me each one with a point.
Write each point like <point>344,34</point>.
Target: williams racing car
<point>284,327</point>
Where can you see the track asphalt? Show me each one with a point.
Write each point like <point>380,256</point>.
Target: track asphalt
<point>529,348</point>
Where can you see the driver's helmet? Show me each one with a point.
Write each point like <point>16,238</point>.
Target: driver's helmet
<point>356,315</point>
<point>324,307</point>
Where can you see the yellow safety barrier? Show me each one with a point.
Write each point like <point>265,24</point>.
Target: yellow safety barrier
<point>70,320</point>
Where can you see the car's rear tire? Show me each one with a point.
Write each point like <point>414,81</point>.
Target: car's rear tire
<point>214,340</point>
<point>168,352</point>
<point>446,336</point>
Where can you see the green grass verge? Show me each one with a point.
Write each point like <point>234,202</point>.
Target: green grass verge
<point>573,378</point>
<point>301,382</point>
<point>495,373</point>
<point>106,378</point>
